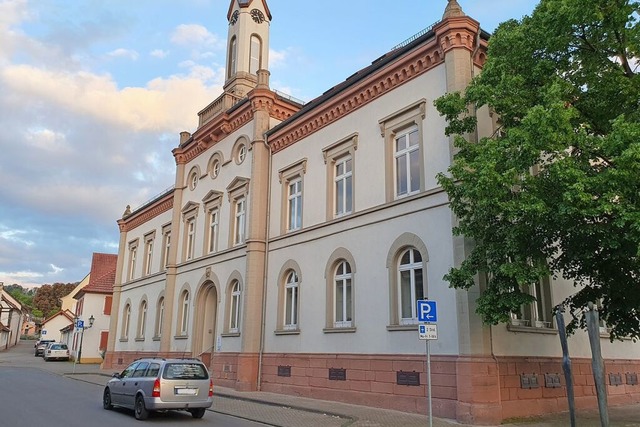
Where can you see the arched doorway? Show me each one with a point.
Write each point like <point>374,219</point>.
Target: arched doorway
<point>205,323</point>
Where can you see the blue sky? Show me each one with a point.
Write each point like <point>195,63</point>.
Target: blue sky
<point>93,95</point>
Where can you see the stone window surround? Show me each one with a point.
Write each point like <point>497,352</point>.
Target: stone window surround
<point>286,175</point>
<point>345,147</point>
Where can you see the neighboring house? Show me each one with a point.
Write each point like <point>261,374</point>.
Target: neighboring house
<point>68,301</point>
<point>291,251</point>
<point>53,326</point>
<point>29,328</point>
<point>93,304</point>
<point>11,316</point>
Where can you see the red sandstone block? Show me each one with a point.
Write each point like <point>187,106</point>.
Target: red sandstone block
<point>300,381</point>
<point>444,380</point>
<point>580,380</point>
<point>360,385</point>
<point>359,364</point>
<point>554,392</point>
<point>380,387</point>
<point>406,390</point>
<point>370,375</point>
<point>317,363</point>
<point>533,393</point>
<point>317,372</point>
<point>527,368</point>
<point>480,394</point>
<point>511,381</point>
<point>354,374</point>
<point>381,365</point>
<point>386,377</point>
<point>318,382</point>
<point>443,367</point>
<point>443,392</point>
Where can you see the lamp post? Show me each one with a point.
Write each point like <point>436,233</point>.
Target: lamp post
<point>80,325</point>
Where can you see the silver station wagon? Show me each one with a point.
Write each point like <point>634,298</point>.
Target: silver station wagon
<point>156,384</point>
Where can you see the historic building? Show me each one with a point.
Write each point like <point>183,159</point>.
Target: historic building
<point>297,238</point>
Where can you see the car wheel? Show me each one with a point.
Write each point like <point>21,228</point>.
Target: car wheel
<point>197,413</point>
<point>106,399</point>
<point>140,411</point>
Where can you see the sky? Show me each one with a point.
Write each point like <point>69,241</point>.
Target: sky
<point>94,94</point>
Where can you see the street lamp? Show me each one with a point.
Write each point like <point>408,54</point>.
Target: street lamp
<point>80,325</point>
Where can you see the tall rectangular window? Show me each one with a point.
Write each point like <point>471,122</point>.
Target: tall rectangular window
<point>191,236</point>
<point>213,230</point>
<point>133,254</point>
<point>407,156</point>
<point>254,60</point>
<point>148,252</point>
<point>343,186</point>
<point>166,246</point>
<point>239,223</point>
<point>295,204</point>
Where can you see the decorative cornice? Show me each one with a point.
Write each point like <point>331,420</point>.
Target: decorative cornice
<point>406,68</point>
<point>147,214</point>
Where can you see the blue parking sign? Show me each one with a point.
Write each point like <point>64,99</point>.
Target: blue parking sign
<point>427,311</point>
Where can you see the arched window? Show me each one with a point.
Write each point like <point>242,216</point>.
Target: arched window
<point>233,56</point>
<point>291,301</point>
<point>410,286</point>
<point>142,319</point>
<point>183,313</point>
<point>159,317</point>
<point>254,55</point>
<point>126,318</point>
<point>234,313</point>
<point>343,301</point>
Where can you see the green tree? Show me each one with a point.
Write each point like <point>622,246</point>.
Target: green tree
<point>556,191</point>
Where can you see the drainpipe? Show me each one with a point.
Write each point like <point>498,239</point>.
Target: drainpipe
<point>266,270</point>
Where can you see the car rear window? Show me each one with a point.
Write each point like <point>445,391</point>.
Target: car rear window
<point>58,346</point>
<point>185,370</point>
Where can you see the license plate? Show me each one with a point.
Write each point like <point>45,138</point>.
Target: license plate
<point>186,391</point>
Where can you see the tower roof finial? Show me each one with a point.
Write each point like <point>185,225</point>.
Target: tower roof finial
<point>452,9</point>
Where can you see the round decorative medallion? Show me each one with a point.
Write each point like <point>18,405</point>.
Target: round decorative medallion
<point>234,18</point>
<point>257,16</point>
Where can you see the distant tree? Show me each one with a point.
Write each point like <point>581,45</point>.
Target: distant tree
<point>21,294</point>
<point>48,297</point>
<point>557,190</point>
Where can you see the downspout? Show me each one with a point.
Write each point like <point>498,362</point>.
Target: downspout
<point>266,269</point>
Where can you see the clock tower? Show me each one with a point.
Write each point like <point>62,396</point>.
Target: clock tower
<point>247,44</point>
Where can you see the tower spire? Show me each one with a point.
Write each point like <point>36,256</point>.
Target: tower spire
<point>452,9</point>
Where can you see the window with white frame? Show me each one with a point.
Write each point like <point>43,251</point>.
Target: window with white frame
<point>212,203</point>
<point>240,218</point>
<point>159,317</point>
<point>292,177</point>
<point>343,301</point>
<point>294,210</point>
<point>148,252</point>
<point>234,312</point>
<point>403,136</point>
<point>411,286</point>
<point>193,178</point>
<point>339,158</point>
<point>215,164</point>
<point>407,162</point>
<point>538,313</point>
<point>189,215</point>
<point>183,313</point>
<point>291,301</point>
<point>133,254</point>
<point>142,319</point>
<point>240,150</point>
<point>126,319</point>
<point>166,245</point>
<point>238,191</point>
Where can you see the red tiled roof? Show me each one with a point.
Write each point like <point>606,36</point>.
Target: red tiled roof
<point>102,275</point>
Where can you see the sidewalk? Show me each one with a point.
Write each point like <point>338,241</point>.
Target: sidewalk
<point>294,411</point>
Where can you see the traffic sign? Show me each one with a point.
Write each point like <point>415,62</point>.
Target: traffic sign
<point>428,332</point>
<point>427,311</point>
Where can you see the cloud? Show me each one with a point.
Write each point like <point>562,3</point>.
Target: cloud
<point>159,53</point>
<point>193,35</point>
<point>160,106</point>
<point>124,53</point>
<point>277,58</point>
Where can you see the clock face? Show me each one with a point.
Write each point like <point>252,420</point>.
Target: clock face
<point>234,17</point>
<point>257,16</point>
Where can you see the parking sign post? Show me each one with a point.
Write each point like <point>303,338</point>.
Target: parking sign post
<point>428,313</point>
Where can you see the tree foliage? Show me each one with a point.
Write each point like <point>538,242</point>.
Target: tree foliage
<point>556,191</point>
<point>23,295</point>
<point>48,297</point>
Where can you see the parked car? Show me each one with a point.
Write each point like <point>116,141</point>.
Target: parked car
<point>41,346</point>
<point>56,351</point>
<point>157,384</point>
